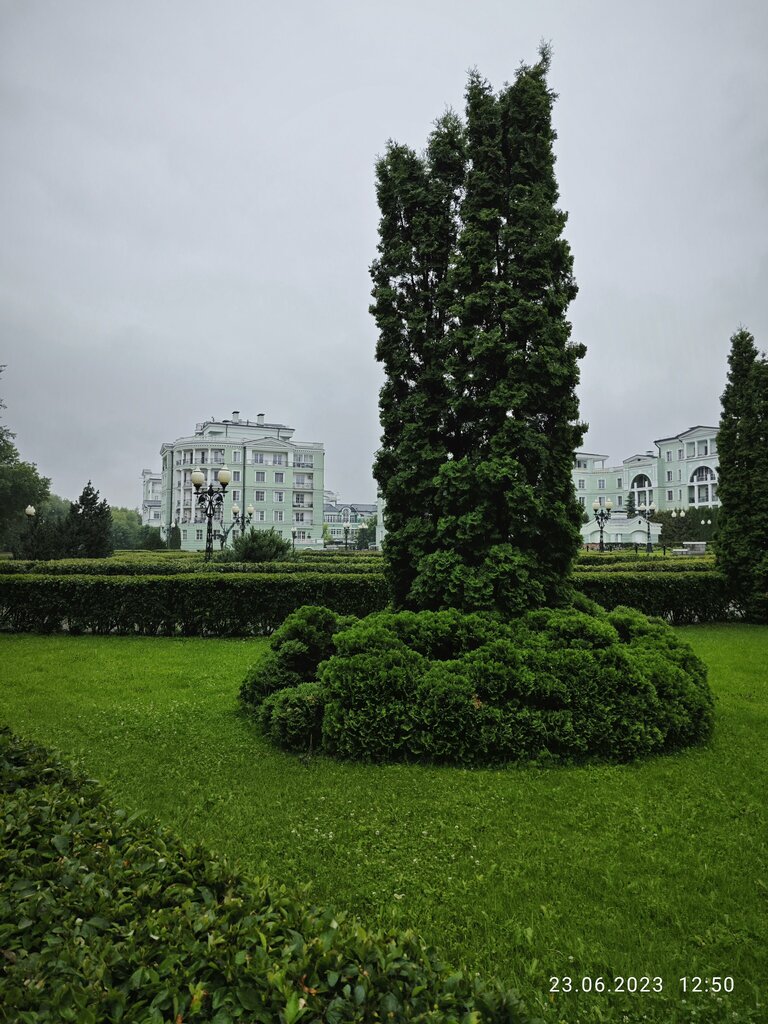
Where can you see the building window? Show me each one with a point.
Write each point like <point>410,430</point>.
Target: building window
<point>619,500</point>
<point>601,501</point>
<point>298,517</point>
<point>278,515</point>
<point>198,534</point>
<point>260,476</point>
<point>257,458</point>
<point>582,485</point>
<point>691,449</point>
<point>183,534</point>
<point>259,496</point>
<point>279,478</point>
<point>601,485</point>
<point>619,483</point>
<point>261,516</point>
<point>279,460</point>
<point>235,496</point>
<point>236,455</point>
<point>582,502</point>
<point>670,495</point>
<point>235,476</point>
<point>669,454</point>
<point>279,496</point>
<point>669,476</point>
<point>703,448</point>
<point>679,454</point>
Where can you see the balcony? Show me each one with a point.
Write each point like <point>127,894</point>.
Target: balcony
<point>303,465</point>
<point>301,504</point>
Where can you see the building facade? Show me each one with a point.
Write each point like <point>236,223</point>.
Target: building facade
<point>151,494</point>
<point>680,476</point>
<point>281,478</point>
<point>345,519</point>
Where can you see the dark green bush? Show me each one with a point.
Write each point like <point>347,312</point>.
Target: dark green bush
<point>563,683</point>
<point>199,604</point>
<point>293,717</point>
<point>106,918</point>
<point>297,648</point>
<point>678,597</point>
<point>257,546</point>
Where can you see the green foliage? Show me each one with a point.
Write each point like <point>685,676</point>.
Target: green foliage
<point>102,916</point>
<point>150,539</point>
<point>679,597</point>
<point>126,529</point>
<point>742,441</point>
<point>20,485</point>
<point>478,410</point>
<point>296,650</point>
<point>257,546</point>
<point>630,507</point>
<point>366,534</point>
<point>567,683</point>
<point>88,527</point>
<point>174,538</point>
<point>194,604</point>
<point>293,717</point>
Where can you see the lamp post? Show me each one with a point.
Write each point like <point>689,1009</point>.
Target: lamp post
<point>293,538</point>
<point>346,537</point>
<point>31,514</point>
<point>706,523</point>
<point>238,519</point>
<point>647,513</point>
<point>602,515</point>
<point>210,501</point>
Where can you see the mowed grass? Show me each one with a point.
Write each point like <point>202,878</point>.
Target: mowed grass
<point>656,868</point>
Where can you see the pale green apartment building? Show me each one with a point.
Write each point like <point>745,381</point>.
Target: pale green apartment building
<point>679,475</point>
<point>283,479</point>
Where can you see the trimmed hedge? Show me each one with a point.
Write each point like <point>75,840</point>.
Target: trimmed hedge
<point>176,567</point>
<point>566,684</point>
<point>691,563</point>
<point>200,604</point>
<point>679,597</point>
<point>105,917</point>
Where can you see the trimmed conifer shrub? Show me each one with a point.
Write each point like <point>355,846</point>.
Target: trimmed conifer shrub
<point>567,684</point>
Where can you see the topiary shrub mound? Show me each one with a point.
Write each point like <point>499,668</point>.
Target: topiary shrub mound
<point>567,684</point>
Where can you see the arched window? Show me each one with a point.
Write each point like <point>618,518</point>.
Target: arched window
<point>641,489</point>
<point>702,487</point>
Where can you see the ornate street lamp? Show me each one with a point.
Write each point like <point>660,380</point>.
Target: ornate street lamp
<point>210,501</point>
<point>602,515</point>
<point>647,514</point>
<point>238,519</point>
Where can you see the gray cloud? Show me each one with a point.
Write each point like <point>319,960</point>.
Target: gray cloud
<point>188,211</point>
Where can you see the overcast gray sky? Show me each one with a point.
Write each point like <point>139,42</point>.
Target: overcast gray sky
<point>188,210</point>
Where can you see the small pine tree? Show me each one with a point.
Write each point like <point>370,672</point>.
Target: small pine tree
<point>258,546</point>
<point>174,538</point>
<point>742,441</point>
<point>630,506</point>
<point>88,527</point>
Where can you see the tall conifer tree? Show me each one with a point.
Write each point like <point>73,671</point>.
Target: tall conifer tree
<point>489,520</point>
<point>88,527</point>
<point>742,441</point>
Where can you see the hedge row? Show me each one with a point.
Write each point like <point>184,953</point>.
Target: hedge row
<point>175,567</point>
<point>679,597</point>
<point>632,557</point>
<point>104,918</point>
<point>236,604</point>
<point>201,604</point>
<point>687,563</point>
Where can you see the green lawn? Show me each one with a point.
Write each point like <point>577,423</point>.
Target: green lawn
<point>657,868</point>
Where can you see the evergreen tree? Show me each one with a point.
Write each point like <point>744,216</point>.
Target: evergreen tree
<point>630,507</point>
<point>479,408</point>
<point>174,538</point>
<point>89,526</point>
<point>742,441</point>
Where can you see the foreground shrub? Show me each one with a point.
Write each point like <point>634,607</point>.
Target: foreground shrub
<point>569,683</point>
<point>106,918</point>
<point>296,649</point>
